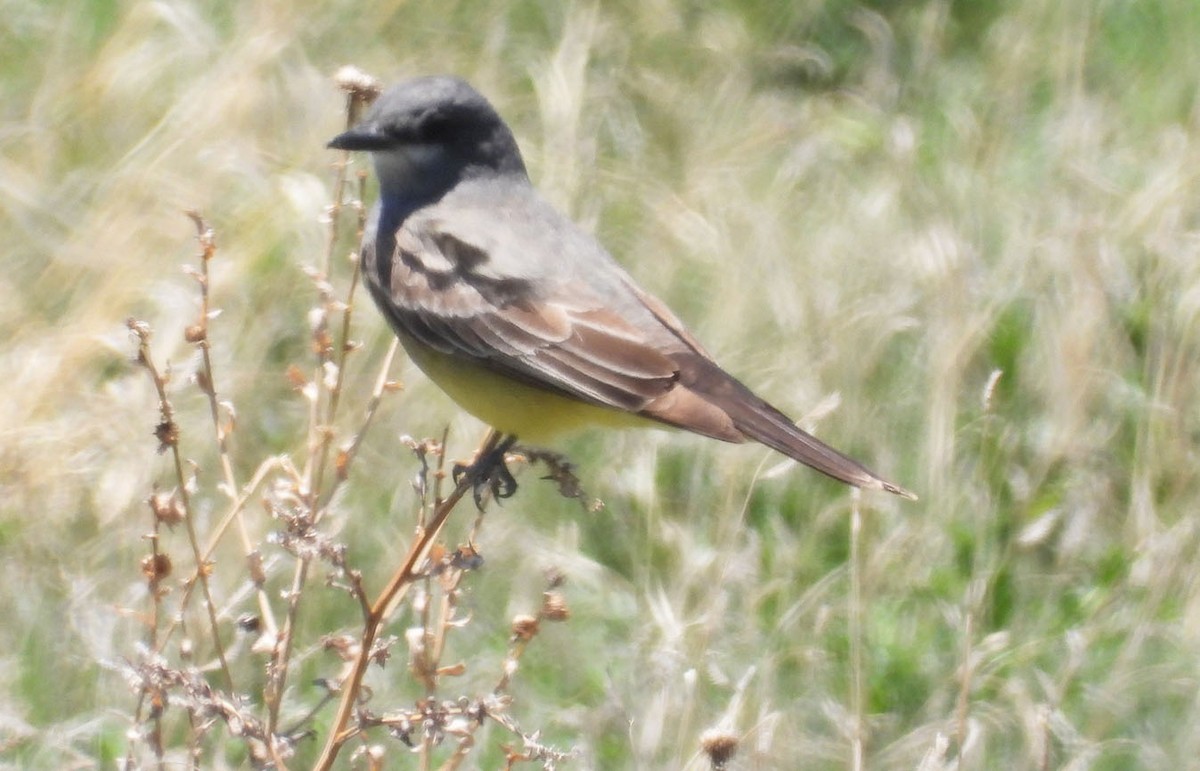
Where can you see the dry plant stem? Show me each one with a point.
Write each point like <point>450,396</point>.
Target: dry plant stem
<point>204,235</point>
<point>320,438</point>
<point>436,647</point>
<point>239,505</point>
<point>433,654</point>
<point>260,475</point>
<point>448,606</point>
<point>155,593</point>
<point>193,740</point>
<point>282,654</point>
<point>348,309</point>
<point>856,643</point>
<point>423,758</point>
<point>318,469</point>
<point>334,396</point>
<point>456,760</point>
<point>339,732</point>
<point>353,101</point>
<point>381,385</point>
<point>391,594</point>
<point>514,655</point>
<point>168,421</point>
<point>439,475</point>
<point>428,658</point>
<point>208,385</point>
<point>151,644</point>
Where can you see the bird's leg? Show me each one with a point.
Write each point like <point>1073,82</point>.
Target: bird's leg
<point>489,472</point>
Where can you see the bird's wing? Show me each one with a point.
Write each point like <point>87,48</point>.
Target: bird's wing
<point>458,285</point>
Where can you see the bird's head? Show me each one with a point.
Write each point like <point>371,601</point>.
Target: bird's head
<point>433,131</point>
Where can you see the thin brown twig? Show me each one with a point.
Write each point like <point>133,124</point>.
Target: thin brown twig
<point>381,608</point>
<point>198,334</point>
<point>282,653</point>
<point>168,434</point>
<point>333,399</point>
<point>382,384</point>
<point>345,346</point>
<point>439,475</point>
<point>154,571</point>
<point>355,99</point>
<point>321,435</point>
<point>214,540</point>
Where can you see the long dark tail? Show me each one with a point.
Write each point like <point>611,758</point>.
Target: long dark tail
<point>758,420</point>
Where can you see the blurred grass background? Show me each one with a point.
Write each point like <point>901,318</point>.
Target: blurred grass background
<point>863,209</point>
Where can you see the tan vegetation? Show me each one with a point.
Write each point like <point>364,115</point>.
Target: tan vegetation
<point>958,238</point>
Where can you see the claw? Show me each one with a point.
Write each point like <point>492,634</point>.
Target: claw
<point>502,482</point>
<point>488,473</point>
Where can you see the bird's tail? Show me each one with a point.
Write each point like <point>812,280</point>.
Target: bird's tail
<point>758,420</point>
<point>763,423</point>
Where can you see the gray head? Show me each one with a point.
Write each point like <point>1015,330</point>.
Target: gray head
<point>428,134</point>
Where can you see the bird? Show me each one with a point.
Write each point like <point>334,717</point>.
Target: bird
<point>521,316</point>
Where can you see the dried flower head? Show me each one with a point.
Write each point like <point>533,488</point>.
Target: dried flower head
<point>524,627</point>
<point>167,508</point>
<point>167,434</point>
<point>719,744</point>
<point>156,567</point>
<point>358,83</point>
<point>554,607</point>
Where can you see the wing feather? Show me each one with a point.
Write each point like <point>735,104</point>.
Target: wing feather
<point>564,340</point>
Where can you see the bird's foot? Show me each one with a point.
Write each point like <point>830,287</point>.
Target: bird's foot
<point>489,473</point>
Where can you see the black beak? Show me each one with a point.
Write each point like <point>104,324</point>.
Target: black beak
<point>363,137</point>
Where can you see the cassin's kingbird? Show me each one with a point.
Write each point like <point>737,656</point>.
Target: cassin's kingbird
<point>519,315</point>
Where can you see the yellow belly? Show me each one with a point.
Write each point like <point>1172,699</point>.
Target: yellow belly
<point>535,415</point>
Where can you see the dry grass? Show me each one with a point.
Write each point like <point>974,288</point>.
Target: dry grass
<point>959,238</point>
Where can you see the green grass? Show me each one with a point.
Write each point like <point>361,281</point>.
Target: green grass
<point>863,210</point>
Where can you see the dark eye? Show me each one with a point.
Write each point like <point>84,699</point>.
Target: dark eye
<point>434,126</point>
